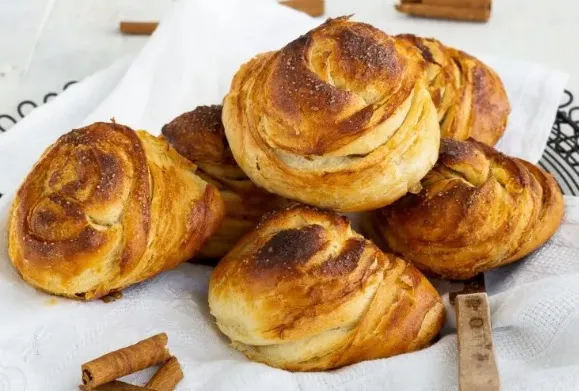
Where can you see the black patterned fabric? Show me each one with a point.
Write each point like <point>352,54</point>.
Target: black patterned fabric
<point>25,107</point>
<point>561,156</point>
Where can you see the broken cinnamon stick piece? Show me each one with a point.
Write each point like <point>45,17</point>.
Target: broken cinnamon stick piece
<point>122,362</point>
<point>120,386</point>
<point>167,377</point>
<point>445,12</point>
<point>138,28</point>
<point>310,7</point>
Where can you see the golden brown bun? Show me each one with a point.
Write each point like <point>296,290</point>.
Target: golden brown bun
<point>199,136</point>
<point>469,96</point>
<point>478,209</point>
<point>339,118</point>
<point>106,207</point>
<point>304,292</point>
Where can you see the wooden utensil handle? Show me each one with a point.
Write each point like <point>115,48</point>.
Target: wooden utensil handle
<point>477,366</point>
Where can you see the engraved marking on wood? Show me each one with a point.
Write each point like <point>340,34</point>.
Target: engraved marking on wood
<point>476,358</point>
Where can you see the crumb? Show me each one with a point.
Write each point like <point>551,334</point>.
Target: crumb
<point>113,296</point>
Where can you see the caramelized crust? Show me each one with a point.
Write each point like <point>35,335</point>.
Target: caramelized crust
<point>339,118</point>
<point>478,209</point>
<point>199,136</point>
<point>304,292</point>
<point>469,96</point>
<point>106,207</point>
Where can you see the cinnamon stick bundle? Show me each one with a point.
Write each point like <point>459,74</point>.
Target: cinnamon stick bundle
<point>111,366</point>
<point>167,377</point>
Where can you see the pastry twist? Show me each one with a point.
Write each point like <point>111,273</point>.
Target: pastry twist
<point>199,136</point>
<point>339,118</point>
<point>478,209</point>
<point>106,207</point>
<point>469,96</point>
<point>304,292</point>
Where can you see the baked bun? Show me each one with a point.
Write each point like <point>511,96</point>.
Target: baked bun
<point>478,209</point>
<point>339,118</point>
<point>106,207</point>
<point>304,292</point>
<point>469,96</point>
<point>199,136</point>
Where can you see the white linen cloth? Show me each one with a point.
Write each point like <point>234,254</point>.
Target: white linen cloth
<point>190,61</point>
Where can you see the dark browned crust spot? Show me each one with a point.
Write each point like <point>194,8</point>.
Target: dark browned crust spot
<point>296,89</point>
<point>453,151</point>
<point>290,248</point>
<point>346,261</point>
<point>357,121</point>
<point>419,43</point>
<point>368,52</point>
<point>111,174</point>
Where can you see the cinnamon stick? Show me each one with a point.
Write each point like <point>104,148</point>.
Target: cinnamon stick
<point>120,386</point>
<point>167,377</point>
<point>310,7</point>
<point>453,3</point>
<point>445,12</point>
<point>122,362</point>
<point>138,28</point>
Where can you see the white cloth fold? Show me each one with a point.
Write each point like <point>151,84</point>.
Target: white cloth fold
<point>190,61</point>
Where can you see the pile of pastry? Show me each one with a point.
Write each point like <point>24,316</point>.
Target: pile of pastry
<point>344,119</point>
